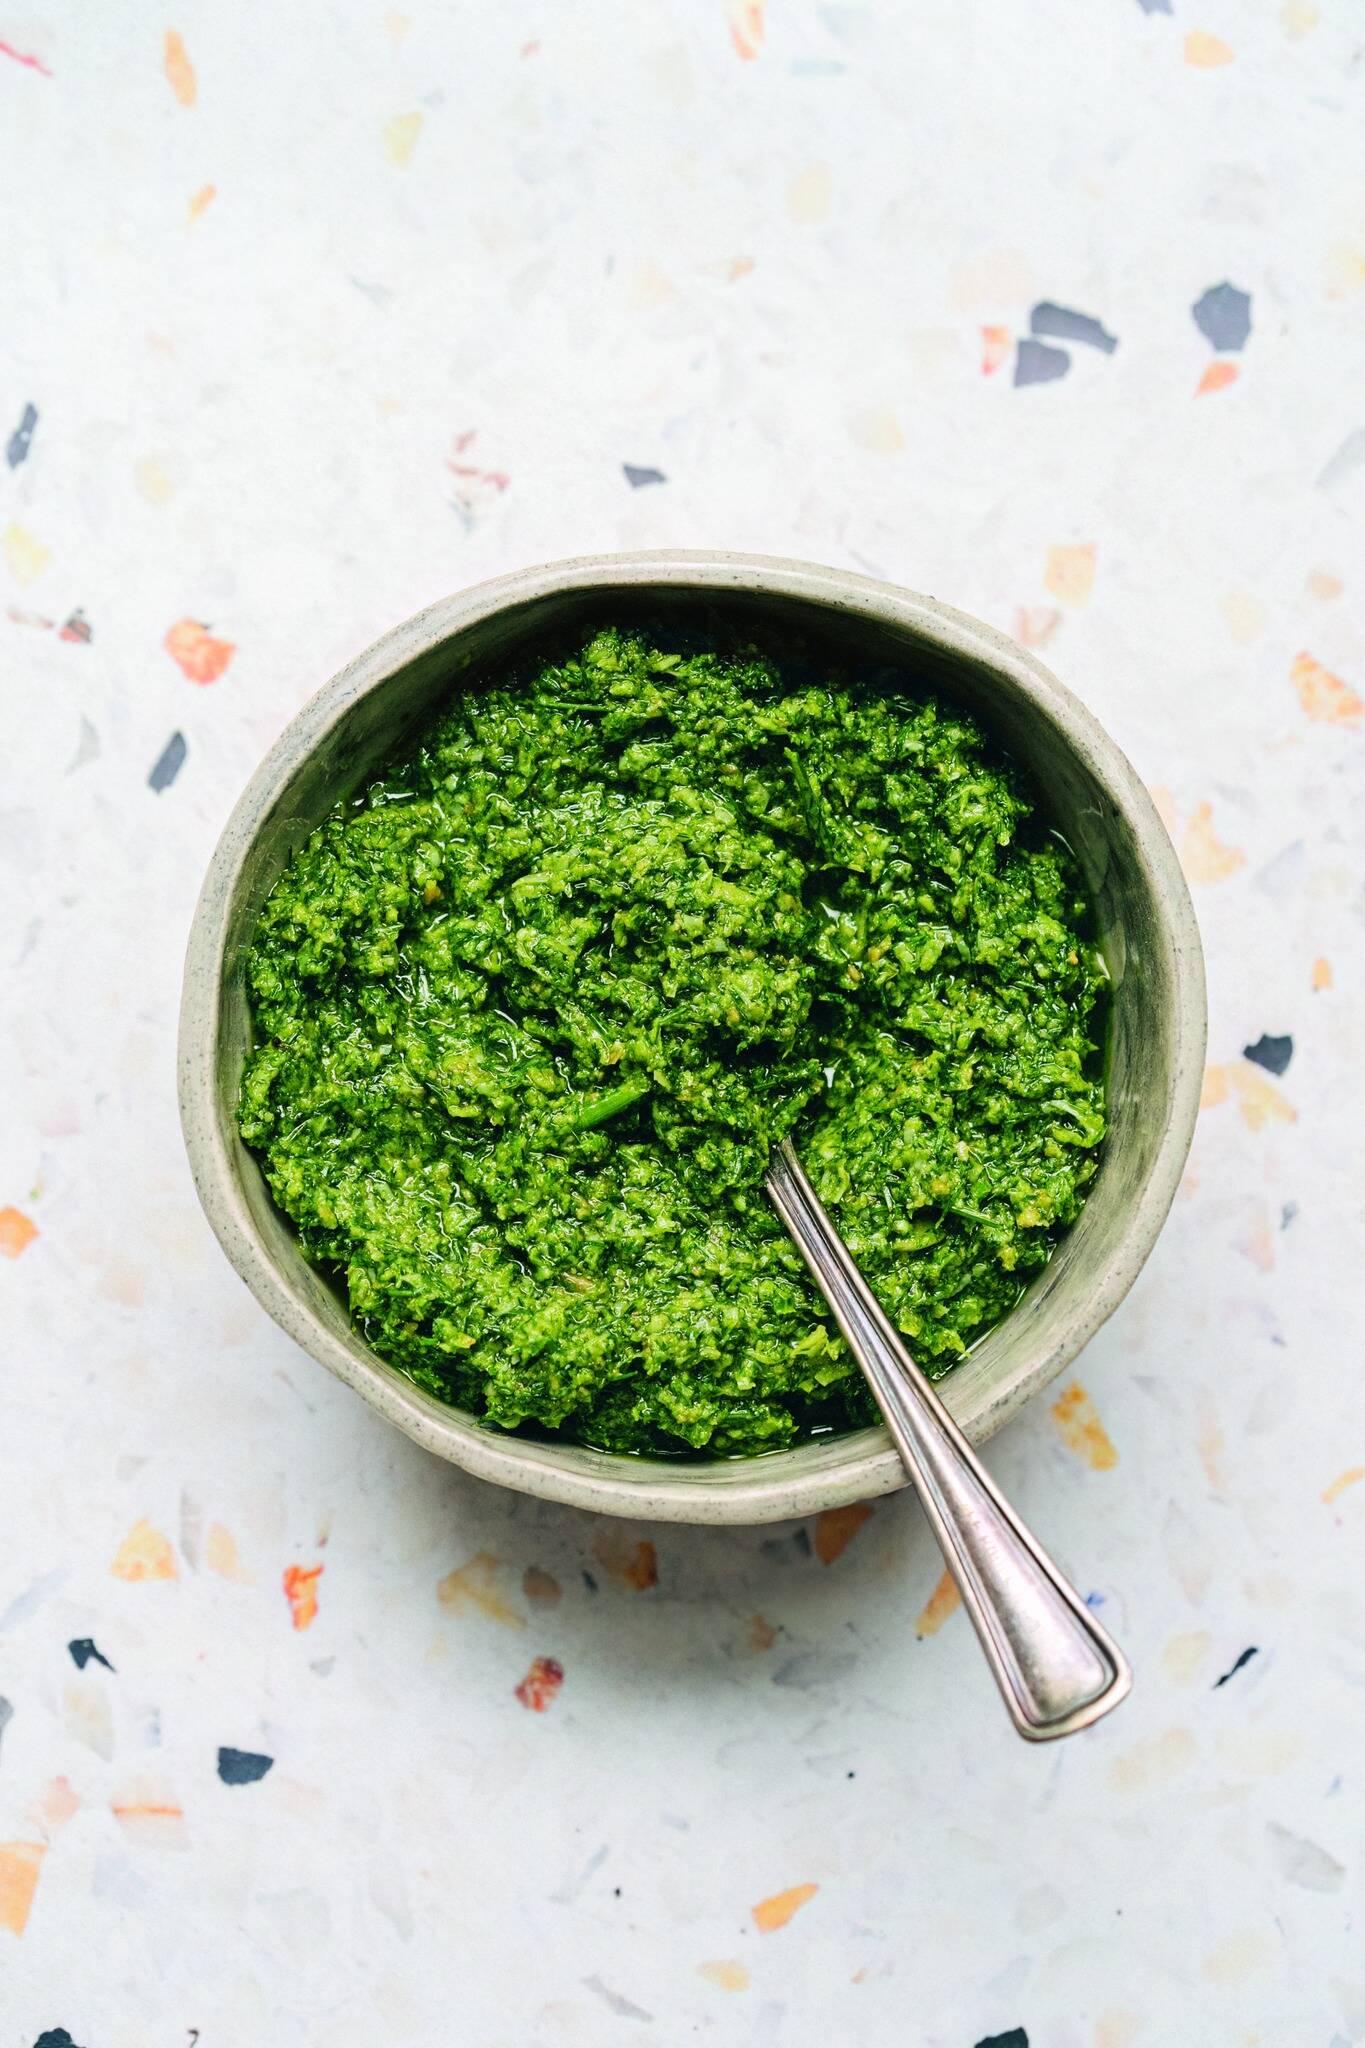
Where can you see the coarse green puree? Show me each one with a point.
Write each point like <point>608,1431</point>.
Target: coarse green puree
<point>532,1011</point>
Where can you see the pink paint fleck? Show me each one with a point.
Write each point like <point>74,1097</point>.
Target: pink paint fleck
<point>541,1683</point>
<point>23,57</point>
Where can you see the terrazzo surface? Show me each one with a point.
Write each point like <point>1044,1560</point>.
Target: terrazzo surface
<point>314,314</point>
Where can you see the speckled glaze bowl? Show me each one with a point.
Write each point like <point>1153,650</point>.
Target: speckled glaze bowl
<point>1147,930</point>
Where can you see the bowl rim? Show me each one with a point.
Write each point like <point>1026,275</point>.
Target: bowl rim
<point>789,1483</point>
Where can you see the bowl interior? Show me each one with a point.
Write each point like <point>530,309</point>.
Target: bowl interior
<point>354,728</point>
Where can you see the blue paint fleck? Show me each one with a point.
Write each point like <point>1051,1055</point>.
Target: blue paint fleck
<point>6,1713</point>
<point>21,440</point>
<point>55,2037</point>
<point>1064,325</point>
<point>1015,2038</point>
<point>243,1766</point>
<point>1223,317</point>
<point>83,1649</point>
<point>637,478</point>
<point>1242,1661</point>
<point>1274,1054</point>
<point>1155,6</point>
<point>169,763</point>
<point>1287,1214</point>
<point>1093,1600</point>
<point>1036,363</point>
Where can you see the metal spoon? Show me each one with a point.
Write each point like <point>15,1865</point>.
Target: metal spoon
<point>1055,1666</point>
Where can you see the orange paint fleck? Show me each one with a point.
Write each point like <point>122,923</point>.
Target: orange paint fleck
<point>1035,624</point>
<point>1217,377</point>
<point>542,1589</point>
<point>540,1684</point>
<point>149,1813</point>
<point>1205,51</point>
<point>202,201</point>
<point>1324,586</point>
<point>630,1564</point>
<point>725,1976</point>
<point>943,1601</point>
<point>1259,1100</point>
<point>836,1528</point>
<point>738,267</point>
<point>1216,1088</point>
<point>1210,1444</point>
<point>1080,1428</point>
<point>995,348</point>
<point>1203,855</point>
<point>301,1591</point>
<point>476,1585</point>
<point>1070,572</point>
<point>20,1863</point>
<point>1323,696</point>
<point>17,1232</point>
<point>144,1554</point>
<point>770,1914</point>
<point>746,27</point>
<point>1351,1477</point>
<point>761,1635</point>
<point>179,70</point>
<point>1322,975</point>
<point>196,653</point>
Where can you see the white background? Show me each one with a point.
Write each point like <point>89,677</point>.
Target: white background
<point>616,240</point>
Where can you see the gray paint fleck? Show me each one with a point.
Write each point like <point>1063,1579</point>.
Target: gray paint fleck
<point>1036,363</point>
<point>1223,316</point>
<point>1065,325</point>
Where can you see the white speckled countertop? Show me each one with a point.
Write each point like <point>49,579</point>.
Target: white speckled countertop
<point>315,313</point>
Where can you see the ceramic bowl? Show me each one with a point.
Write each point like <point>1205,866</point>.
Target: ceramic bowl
<point>1147,930</point>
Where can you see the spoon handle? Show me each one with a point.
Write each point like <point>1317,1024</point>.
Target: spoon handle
<point>1055,1666</point>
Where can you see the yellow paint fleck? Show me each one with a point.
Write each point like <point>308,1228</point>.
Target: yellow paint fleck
<point>1261,1752</point>
<point>153,482</point>
<point>17,1232</point>
<point>746,28</point>
<point>761,1635</point>
<point>400,137</point>
<point>1298,17</point>
<point>144,1554</point>
<point>770,1914</point>
<point>20,1863</point>
<point>1165,807</point>
<point>1323,696</point>
<point>201,202</point>
<point>876,429</point>
<point>1080,1429</point>
<point>25,556</point>
<point>738,267</point>
<point>221,1555</point>
<point>1117,2029</point>
<point>1203,855</point>
<point>836,1528</point>
<point>179,70</point>
<point>1350,1477</point>
<point>1184,1655</point>
<point>1217,1087</point>
<point>1237,1958</point>
<point>1322,975</point>
<point>396,27</point>
<point>943,1601</point>
<point>87,1716</point>
<point>1345,272</point>
<point>1244,616</point>
<point>725,1976</point>
<point>809,194</point>
<point>651,287</point>
<point>1210,1444</point>
<point>1153,1762</point>
<point>475,1585</point>
<point>1206,51</point>
<point>1259,1100</point>
<point>1070,572</point>
<point>1323,585</point>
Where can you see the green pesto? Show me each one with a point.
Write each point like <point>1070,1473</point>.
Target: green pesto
<point>531,1012</point>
